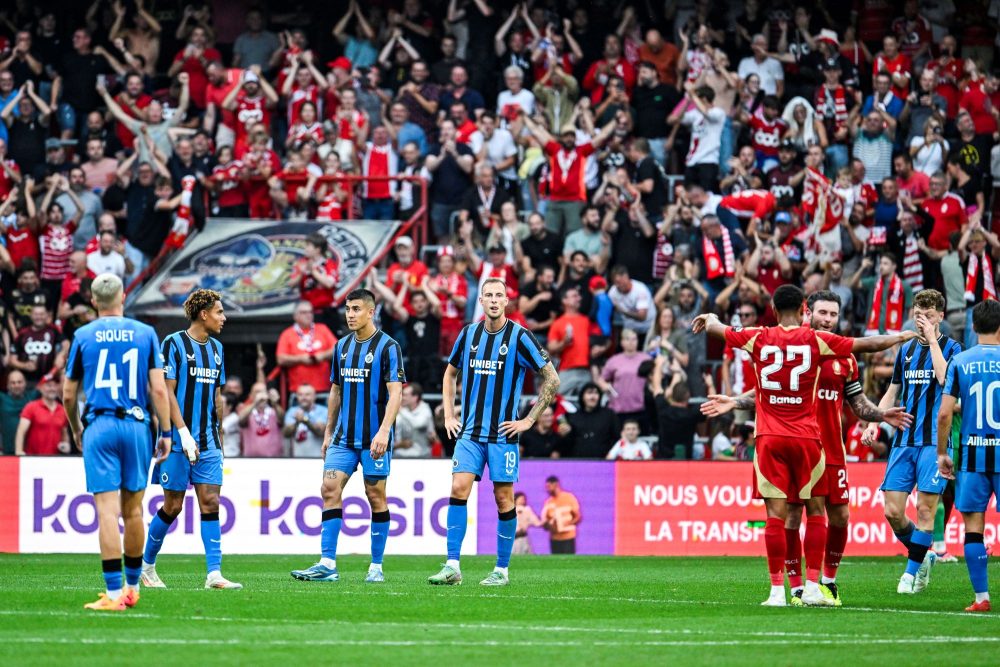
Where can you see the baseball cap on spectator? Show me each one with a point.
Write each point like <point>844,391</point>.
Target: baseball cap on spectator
<point>497,250</point>
<point>51,376</point>
<point>404,240</point>
<point>830,64</point>
<point>788,145</point>
<point>250,77</point>
<point>783,218</point>
<point>340,63</point>
<point>568,128</point>
<point>446,251</point>
<point>829,36</point>
<point>597,282</point>
<point>52,144</point>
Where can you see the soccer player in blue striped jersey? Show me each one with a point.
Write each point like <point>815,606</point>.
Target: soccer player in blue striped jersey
<point>117,362</point>
<point>367,375</point>
<point>492,357</point>
<point>974,379</point>
<point>195,371</point>
<point>918,382</point>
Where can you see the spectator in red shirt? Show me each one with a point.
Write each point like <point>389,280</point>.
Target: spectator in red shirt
<point>948,211</point>
<point>251,102</point>
<point>406,269</point>
<point>569,341</point>
<point>897,65</point>
<point>950,71</point>
<point>218,121</point>
<point>132,101</point>
<point>907,178</point>
<point>452,291</point>
<point>305,349</point>
<point>766,133</point>
<point>10,173</point>
<point>913,32</point>
<point>611,65</point>
<point>316,275</point>
<point>194,60</point>
<point>976,100</point>
<point>567,188</point>
<point>43,429</point>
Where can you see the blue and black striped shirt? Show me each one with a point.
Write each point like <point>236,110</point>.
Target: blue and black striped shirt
<point>492,367</point>
<point>974,379</point>
<point>920,393</point>
<point>361,369</point>
<point>200,372</point>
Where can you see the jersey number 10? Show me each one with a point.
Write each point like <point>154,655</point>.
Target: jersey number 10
<point>794,352</point>
<point>107,374</point>
<point>983,392</point>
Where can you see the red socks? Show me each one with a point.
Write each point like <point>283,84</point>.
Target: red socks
<point>815,545</point>
<point>774,541</point>
<point>836,542</point>
<point>793,557</point>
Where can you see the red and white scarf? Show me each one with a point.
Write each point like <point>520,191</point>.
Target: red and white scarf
<point>894,314</point>
<point>989,287</point>
<point>839,95</point>
<point>183,219</point>
<point>913,270</point>
<point>821,201</point>
<point>714,265</point>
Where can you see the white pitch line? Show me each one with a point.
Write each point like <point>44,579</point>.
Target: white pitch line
<point>258,643</point>
<point>444,626</point>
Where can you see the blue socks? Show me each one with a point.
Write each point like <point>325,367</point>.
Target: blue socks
<point>976,559</point>
<point>158,528</point>
<point>920,542</point>
<point>380,533</point>
<point>904,535</point>
<point>330,532</point>
<point>133,568</point>
<point>112,569</point>
<point>211,537</point>
<point>458,522</point>
<point>506,528</point>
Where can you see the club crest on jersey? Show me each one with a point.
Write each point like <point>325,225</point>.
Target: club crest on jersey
<point>503,349</point>
<point>369,358</point>
<point>836,367</point>
<point>218,360</point>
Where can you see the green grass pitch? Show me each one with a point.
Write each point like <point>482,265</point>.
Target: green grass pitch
<point>558,611</point>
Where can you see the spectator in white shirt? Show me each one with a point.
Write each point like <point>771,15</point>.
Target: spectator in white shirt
<point>630,448</point>
<point>305,423</point>
<point>495,146</point>
<point>414,425</point>
<point>633,300</point>
<point>515,98</point>
<point>707,122</point>
<point>770,71</point>
<point>106,259</point>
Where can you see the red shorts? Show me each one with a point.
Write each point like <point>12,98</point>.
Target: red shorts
<point>833,484</point>
<point>786,467</point>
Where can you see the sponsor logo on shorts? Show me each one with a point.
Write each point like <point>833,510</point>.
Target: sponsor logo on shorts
<point>454,463</point>
<point>379,464</point>
<point>164,478</point>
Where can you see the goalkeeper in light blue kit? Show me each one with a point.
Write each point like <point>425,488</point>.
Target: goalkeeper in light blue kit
<point>974,379</point>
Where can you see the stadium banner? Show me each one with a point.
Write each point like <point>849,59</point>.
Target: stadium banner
<point>251,263</point>
<point>591,482</point>
<point>706,509</point>
<point>268,506</point>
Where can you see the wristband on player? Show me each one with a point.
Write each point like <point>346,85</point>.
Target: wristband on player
<point>165,434</point>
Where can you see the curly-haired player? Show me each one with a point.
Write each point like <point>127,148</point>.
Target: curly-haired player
<point>195,373</point>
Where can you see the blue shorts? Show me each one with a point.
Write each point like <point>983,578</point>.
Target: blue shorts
<point>910,467</point>
<point>116,454</point>
<point>177,472</point>
<point>346,460</point>
<point>502,458</point>
<point>973,490</point>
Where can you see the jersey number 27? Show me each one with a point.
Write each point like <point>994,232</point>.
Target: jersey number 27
<point>794,352</point>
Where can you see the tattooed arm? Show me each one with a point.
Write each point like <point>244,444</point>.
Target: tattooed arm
<point>547,392</point>
<point>869,412</point>
<point>718,404</point>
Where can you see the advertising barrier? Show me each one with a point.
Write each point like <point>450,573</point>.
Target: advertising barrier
<point>267,506</point>
<point>273,506</point>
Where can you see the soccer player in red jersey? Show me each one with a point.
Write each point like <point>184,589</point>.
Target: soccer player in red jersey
<point>837,379</point>
<point>789,459</point>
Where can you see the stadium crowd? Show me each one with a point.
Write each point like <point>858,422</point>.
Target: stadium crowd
<point>622,166</point>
